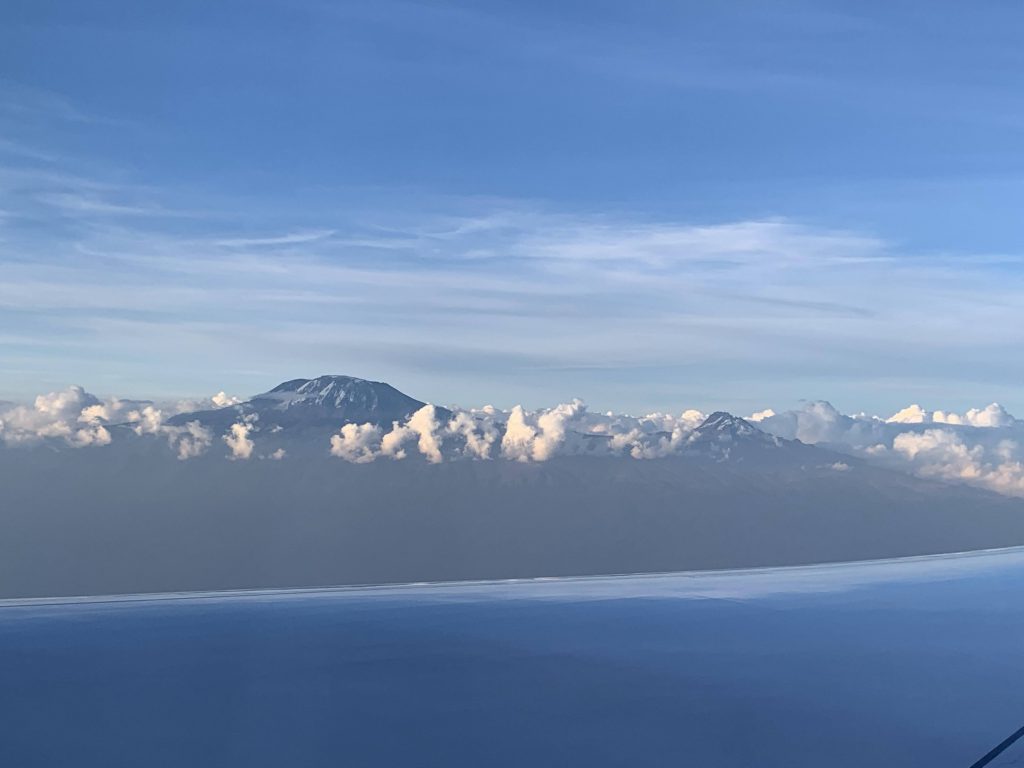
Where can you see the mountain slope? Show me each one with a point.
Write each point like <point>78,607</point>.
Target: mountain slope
<point>84,523</point>
<point>725,437</point>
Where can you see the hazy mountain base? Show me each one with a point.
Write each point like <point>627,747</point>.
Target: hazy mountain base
<point>107,521</point>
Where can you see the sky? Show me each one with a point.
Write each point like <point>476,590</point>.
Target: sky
<point>652,205</point>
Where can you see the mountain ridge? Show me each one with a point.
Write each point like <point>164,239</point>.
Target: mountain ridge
<point>295,414</point>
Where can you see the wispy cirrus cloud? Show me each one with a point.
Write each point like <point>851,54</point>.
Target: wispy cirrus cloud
<point>459,294</point>
<point>26,103</point>
<point>95,204</point>
<point>575,290</point>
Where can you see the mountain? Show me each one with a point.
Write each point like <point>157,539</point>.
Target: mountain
<point>326,402</point>
<point>723,427</point>
<point>724,437</point>
<point>124,517</point>
<point>296,414</point>
<point>722,434</point>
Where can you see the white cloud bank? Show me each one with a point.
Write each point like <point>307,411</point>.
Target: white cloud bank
<point>81,420</point>
<point>980,447</point>
<point>72,415</point>
<point>517,435</point>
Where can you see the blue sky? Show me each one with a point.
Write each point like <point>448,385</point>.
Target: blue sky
<point>646,205</point>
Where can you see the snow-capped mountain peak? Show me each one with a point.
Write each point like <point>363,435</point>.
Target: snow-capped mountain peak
<point>722,423</point>
<point>726,437</point>
<point>336,392</point>
<point>322,402</point>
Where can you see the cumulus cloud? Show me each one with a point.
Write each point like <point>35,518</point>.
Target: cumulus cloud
<point>424,425</point>
<point>64,405</point>
<point>944,454</point>
<point>146,421</point>
<point>912,414</point>
<point>191,405</point>
<point>72,415</point>
<point>538,436</point>
<point>222,400</point>
<point>362,443</point>
<point>191,441</point>
<point>476,430</point>
<point>357,443</point>
<point>993,415</point>
<point>518,435</point>
<point>188,442</point>
<point>100,412</point>
<point>820,422</point>
<point>570,429</point>
<point>670,439</point>
<point>237,438</point>
<point>95,434</point>
<point>552,427</point>
<point>980,446</point>
<point>80,419</point>
<point>817,422</point>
